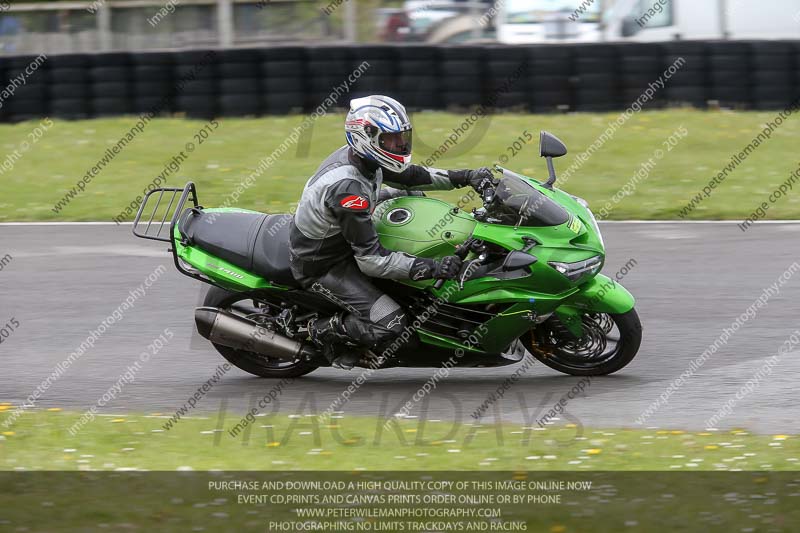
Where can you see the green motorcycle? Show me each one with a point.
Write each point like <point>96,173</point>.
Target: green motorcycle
<point>530,282</point>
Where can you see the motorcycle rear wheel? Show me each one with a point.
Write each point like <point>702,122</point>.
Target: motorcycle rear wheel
<point>252,362</point>
<point>551,344</point>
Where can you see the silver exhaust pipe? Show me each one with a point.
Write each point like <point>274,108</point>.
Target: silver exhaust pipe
<point>233,331</point>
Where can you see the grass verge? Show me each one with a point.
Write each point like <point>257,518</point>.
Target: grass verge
<point>67,150</point>
<point>39,440</point>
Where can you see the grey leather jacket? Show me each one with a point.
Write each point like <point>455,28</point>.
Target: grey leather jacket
<point>333,219</point>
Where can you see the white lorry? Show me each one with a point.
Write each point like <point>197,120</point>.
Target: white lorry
<point>662,20</point>
<point>533,21</point>
<point>530,21</point>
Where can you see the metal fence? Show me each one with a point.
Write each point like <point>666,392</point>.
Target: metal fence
<point>116,25</point>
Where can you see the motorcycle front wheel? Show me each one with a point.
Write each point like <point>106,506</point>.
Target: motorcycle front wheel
<point>609,343</point>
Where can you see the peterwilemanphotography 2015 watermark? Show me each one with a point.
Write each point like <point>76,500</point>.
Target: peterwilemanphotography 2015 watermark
<point>407,266</point>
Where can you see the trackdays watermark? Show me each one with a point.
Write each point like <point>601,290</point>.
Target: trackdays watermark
<point>755,381</point>
<point>438,419</point>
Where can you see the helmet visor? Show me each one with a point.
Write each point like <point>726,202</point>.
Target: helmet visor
<point>397,143</point>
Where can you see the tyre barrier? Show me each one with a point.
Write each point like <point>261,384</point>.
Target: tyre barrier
<point>279,80</point>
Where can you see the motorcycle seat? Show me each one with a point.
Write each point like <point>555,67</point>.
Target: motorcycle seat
<point>256,242</point>
<point>271,251</point>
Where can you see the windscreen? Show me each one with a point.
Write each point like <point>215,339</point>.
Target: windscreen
<point>518,202</point>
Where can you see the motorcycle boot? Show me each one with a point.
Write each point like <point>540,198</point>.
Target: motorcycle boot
<point>330,336</point>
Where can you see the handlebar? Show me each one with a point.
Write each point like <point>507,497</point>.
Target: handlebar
<point>462,251</point>
<point>487,195</point>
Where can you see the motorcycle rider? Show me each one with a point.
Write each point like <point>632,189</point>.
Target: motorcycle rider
<point>334,248</point>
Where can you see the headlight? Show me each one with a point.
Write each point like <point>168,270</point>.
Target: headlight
<point>575,271</point>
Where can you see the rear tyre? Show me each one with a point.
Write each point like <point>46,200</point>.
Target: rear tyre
<point>251,362</point>
<point>609,343</point>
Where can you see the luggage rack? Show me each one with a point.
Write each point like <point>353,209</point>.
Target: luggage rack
<point>154,231</point>
<point>185,192</point>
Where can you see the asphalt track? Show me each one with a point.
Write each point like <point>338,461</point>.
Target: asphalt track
<point>691,280</point>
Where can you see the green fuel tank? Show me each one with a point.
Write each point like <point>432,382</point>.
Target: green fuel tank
<point>421,226</point>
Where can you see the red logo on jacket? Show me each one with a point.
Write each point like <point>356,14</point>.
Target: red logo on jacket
<point>355,202</point>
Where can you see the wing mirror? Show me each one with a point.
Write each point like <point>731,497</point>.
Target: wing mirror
<point>551,146</point>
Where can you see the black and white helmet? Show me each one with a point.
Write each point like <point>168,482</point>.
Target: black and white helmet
<point>378,128</point>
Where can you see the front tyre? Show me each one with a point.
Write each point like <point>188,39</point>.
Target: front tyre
<point>251,362</point>
<point>608,344</point>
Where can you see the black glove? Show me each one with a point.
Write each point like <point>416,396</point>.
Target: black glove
<point>447,268</point>
<point>477,179</point>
